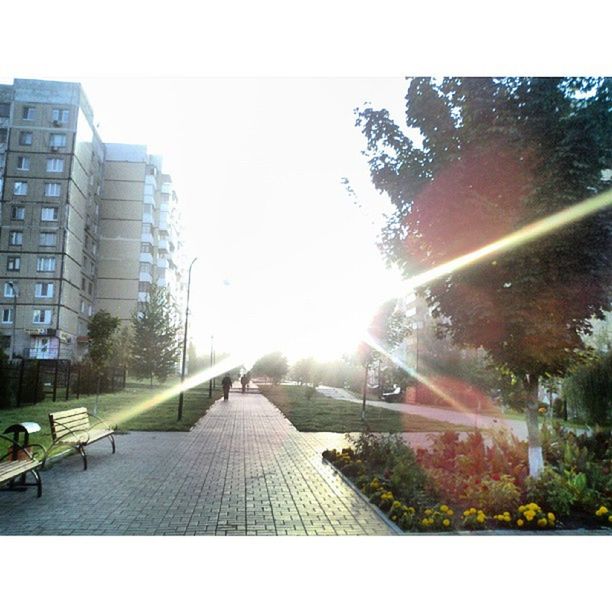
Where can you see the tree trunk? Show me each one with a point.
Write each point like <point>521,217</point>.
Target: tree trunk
<point>536,457</point>
<point>97,393</point>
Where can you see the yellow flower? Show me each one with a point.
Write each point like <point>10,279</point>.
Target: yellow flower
<point>529,514</point>
<point>446,522</point>
<point>443,508</point>
<point>411,509</point>
<point>602,510</point>
<point>610,519</point>
<point>551,517</point>
<point>542,522</point>
<point>450,512</point>
<point>480,518</point>
<point>521,509</point>
<point>520,522</point>
<point>427,512</point>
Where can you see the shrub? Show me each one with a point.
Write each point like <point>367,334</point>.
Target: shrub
<point>493,495</point>
<point>551,491</point>
<point>473,519</point>
<point>438,518</point>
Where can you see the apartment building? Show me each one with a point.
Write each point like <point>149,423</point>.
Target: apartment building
<point>140,229</point>
<point>79,222</point>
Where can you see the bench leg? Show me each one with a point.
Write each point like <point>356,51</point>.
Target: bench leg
<point>38,482</point>
<point>82,451</point>
<point>112,441</point>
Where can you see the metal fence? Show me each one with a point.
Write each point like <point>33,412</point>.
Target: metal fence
<point>35,380</point>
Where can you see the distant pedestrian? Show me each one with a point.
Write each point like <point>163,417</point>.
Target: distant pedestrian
<point>243,382</point>
<point>226,383</point>
<point>248,379</point>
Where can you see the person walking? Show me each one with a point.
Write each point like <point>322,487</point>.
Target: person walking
<point>226,384</point>
<point>243,382</point>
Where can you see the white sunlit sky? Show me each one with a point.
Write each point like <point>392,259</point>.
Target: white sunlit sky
<point>287,258</point>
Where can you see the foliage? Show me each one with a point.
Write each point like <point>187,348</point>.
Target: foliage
<point>437,518</point>
<point>588,390</point>
<point>474,519</point>
<point>307,371</point>
<point>497,154</point>
<point>273,365</point>
<point>101,331</point>
<point>550,490</point>
<point>492,494</point>
<point>155,344</point>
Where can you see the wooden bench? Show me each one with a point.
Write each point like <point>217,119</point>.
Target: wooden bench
<point>17,463</point>
<point>72,428</point>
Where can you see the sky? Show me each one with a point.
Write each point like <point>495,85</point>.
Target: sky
<point>286,257</point>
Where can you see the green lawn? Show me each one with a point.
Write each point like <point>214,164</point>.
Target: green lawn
<point>134,409</point>
<point>326,414</point>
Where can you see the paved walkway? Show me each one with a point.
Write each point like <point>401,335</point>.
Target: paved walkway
<point>243,470</point>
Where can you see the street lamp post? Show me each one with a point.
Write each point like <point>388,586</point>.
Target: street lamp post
<point>180,405</point>
<point>210,382</point>
<point>14,290</point>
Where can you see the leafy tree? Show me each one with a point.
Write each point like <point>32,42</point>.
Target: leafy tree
<point>155,342</point>
<point>101,330</point>
<point>484,157</point>
<point>273,365</point>
<point>307,371</point>
<point>6,386</point>
<point>122,346</point>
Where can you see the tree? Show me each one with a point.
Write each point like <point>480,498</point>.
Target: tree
<point>307,371</point>
<point>155,342</point>
<point>487,157</point>
<point>273,365</point>
<point>101,331</point>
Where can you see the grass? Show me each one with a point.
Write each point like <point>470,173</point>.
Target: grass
<point>112,407</point>
<point>326,414</point>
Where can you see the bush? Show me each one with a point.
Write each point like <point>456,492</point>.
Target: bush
<point>493,496</point>
<point>551,491</point>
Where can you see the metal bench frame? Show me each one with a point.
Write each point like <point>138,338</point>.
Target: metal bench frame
<point>81,437</point>
<point>25,468</point>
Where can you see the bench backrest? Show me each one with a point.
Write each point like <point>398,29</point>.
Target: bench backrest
<point>66,421</point>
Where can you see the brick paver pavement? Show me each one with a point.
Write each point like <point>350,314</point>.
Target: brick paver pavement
<point>243,470</point>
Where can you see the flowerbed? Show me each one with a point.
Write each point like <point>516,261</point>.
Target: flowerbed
<point>470,485</point>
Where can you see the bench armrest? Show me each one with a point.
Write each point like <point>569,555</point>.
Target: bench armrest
<point>24,449</point>
<point>69,432</point>
<point>102,421</point>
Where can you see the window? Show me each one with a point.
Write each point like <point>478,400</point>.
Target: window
<point>89,310</point>
<point>42,316</point>
<point>146,228</point>
<point>43,290</point>
<point>15,238</point>
<point>7,315</point>
<point>83,283</point>
<point>57,140</point>
<point>3,135</point>
<point>25,138</point>
<point>60,115</point>
<point>145,267</point>
<point>13,263</point>
<point>5,109</point>
<point>145,247</point>
<point>53,190</point>
<point>90,288</point>
<point>20,188</point>
<point>9,290</point>
<point>83,307</point>
<point>48,213</point>
<point>55,164</point>
<point>23,163</point>
<point>18,213</point>
<point>48,239</point>
<point>28,113</point>
<point>144,287</point>
<point>45,264</point>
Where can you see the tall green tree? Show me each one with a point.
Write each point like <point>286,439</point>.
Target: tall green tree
<point>101,332</point>
<point>155,339</point>
<point>483,157</point>
<point>273,365</point>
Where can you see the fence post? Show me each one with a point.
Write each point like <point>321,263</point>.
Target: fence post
<point>37,382</point>
<point>55,379</point>
<point>68,382</point>
<point>20,383</point>
<point>78,393</point>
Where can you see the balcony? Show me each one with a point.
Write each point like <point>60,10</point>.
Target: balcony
<point>146,258</point>
<point>145,277</point>
<point>42,353</point>
<point>162,263</point>
<point>162,245</point>
<point>148,237</point>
